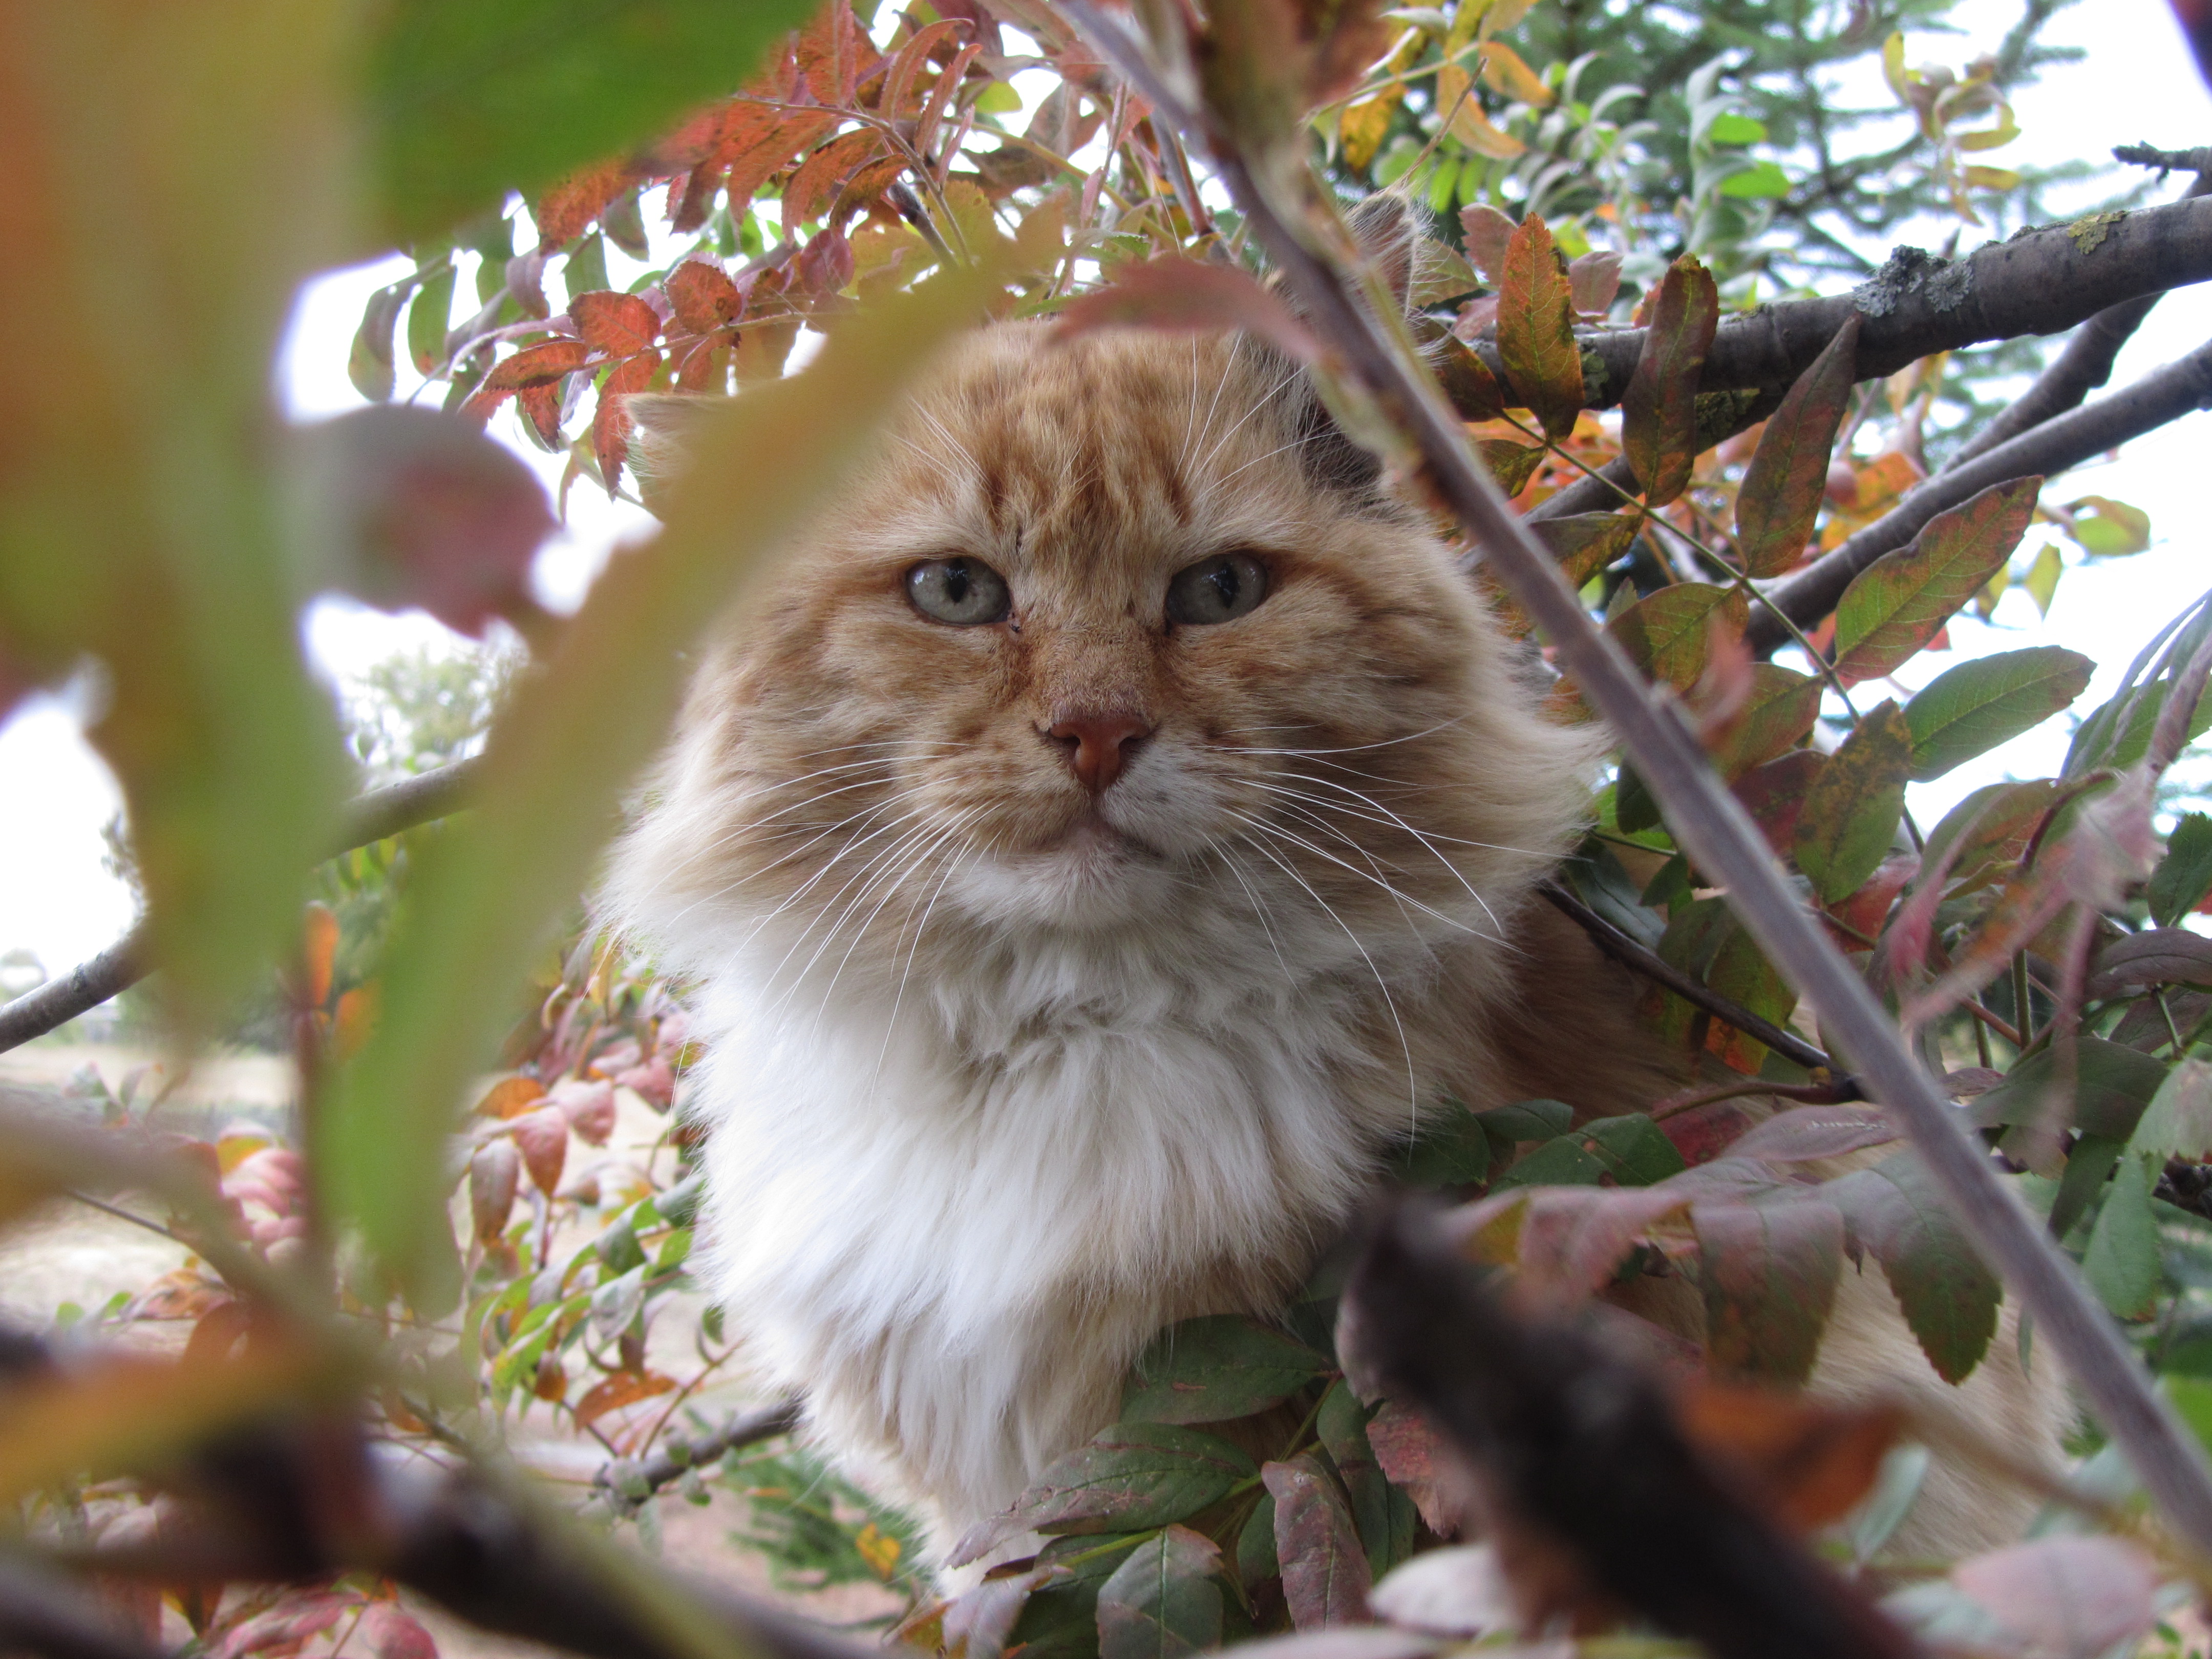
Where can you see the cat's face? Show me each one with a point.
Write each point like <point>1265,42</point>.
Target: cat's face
<point>1115,628</point>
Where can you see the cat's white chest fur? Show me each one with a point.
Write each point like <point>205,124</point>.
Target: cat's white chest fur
<point>952,1213</point>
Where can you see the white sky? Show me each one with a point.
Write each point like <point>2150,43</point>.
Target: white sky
<point>2138,83</point>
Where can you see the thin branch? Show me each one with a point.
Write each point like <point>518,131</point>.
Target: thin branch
<point>624,1484</point>
<point>1713,826</point>
<point>372,817</point>
<point>1632,955</point>
<point>2159,397</point>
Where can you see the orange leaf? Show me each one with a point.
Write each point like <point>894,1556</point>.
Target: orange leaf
<point>622,1388</point>
<point>1789,473</point>
<point>704,297</point>
<point>611,422</point>
<point>535,366</point>
<point>543,1136</point>
<point>898,86</point>
<point>790,137</point>
<point>564,211</point>
<point>318,951</point>
<point>1810,1463</point>
<point>1659,413</point>
<point>511,1097</point>
<point>1535,329</point>
<point>821,173</point>
<point>620,324</point>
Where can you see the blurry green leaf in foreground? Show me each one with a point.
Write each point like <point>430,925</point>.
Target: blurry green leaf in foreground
<point>470,101</point>
<point>484,898</point>
<point>172,172</point>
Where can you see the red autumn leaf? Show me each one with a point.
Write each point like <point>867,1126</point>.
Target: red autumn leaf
<point>622,1388</point>
<point>1326,1576</point>
<point>541,408</point>
<point>791,136</point>
<point>1584,544</point>
<point>619,324</point>
<point>1467,382</point>
<point>564,211</point>
<point>825,263</point>
<point>1781,709</point>
<point>538,365</point>
<point>389,1631</point>
<point>1535,329</point>
<point>494,1172</point>
<point>1774,794</point>
<point>815,183</point>
<point>1417,1460</point>
<point>703,297</point>
<point>1769,1273</point>
<point>1176,293</point>
<point>940,99</point>
<point>1894,607</point>
<point>611,421</point>
<point>543,1138</point>
<point>829,54</point>
<point>420,508</point>
<point>1511,464</point>
<point>899,84</point>
<point>1789,471</point>
<point>1668,634</point>
<point>1594,280</point>
<point>691,198</point>
<point>1659,412</point>
<point>1488,233</point>
<point>589,1107</point>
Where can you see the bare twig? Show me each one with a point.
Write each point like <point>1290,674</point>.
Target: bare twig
<point>372,817</point>
<point>1713,827</point>
<point>2199,159</point>
<point>2152,402</point>
<point>1632,955</point>
<point>624,1484</point>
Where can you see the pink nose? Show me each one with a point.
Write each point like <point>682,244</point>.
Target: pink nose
<point>1098,745</point>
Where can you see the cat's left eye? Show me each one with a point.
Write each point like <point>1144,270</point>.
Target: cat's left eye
<point>963,592</point>
<point>1217,590</point>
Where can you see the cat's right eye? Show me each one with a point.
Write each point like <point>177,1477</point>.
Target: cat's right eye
<point>963,592</point>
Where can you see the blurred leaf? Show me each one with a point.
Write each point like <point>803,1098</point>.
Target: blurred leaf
<point>2041,579</point>
<point>2067,1598</point>
<point>1451,1150</point>
<point>1469,385</point>
<point>1176,293</point>
<point>1535,329</point>
<point>2178,1121</point>
<point>1162,1601</point>
<point>1760,181</point>
<point>1895,605</point>
<point>1489,233</point>
<point>2183,876</point>
<point>1808,1463</point>
<point>1668,634</point>
<point>1852,811</point>
<point>2111,1085</point>
<point>2121,1263</point>
<point>494,1171</point>
<point>1972,709</point>
<point>541,1136</point>
<point>1658,412</point>
<point>1807,1134</point>
<point>389,1631</point>
<point>2157,956</point>
<point>1215,1368</point>
<point>458,95</point>
<point>1128,1478</point>
<point>487,891</point>
<point>1950,1298</point>
<point>1325,1573</point>
<point>369,365</point>
<point>1782,489</point>
<point>1505,71</point>
<point>2106,529</point>
<point>1594,280</point>
<point>611,1393</point>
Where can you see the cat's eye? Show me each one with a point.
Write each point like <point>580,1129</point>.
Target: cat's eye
<point>965,592</point>
<point>1217,590</point>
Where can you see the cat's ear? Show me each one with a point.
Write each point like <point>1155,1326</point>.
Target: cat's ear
<point>663,427</point>
<point>1390,230</point>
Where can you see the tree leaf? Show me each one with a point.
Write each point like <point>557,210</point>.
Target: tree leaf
<point>1808,1133</point>
<point>702,296</point>
<point>1769,1271</point>
<point>1783,706</point>
<point>558,760</point>
<point>2066,1598</point>
<point>1452,1150</point>
<point>458,95</point>
<point>1895,605</point>
<point>1387,1521</point>
<point>1469,385</point>
<point>2183,876</point>
<point>1668,634</point>
<point>1780,496</point>
<point>2106,529</point>
<point>1584,544</point>
<point>429,316</point>
<point>1972,709</point>
<point>1129,1478</point>
<point>1852,811</point>
<point>1162,1602</point>
<point>1215,1368</point>
<point>1535,329</point>
<point>1325,1572</point>
<point>1950,1298</point>
<point>1416,1460</point>
<point>1659,417</point>
<point>619,324</point>
<point>2121,1263</point>
<point>369,365</point>
<point>2158,955</point>
<point>1511,464</point>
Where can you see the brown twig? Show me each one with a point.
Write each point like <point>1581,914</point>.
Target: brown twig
<point>624,1484</point>
<point>1712,826</point>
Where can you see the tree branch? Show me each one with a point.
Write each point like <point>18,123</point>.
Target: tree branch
<point>622,1485</point>
<point>2065,442</point>
<point>1712,827</point>
<point>372,817</point>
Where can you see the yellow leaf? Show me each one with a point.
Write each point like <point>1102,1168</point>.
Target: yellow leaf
<point>1893,67</point>
<point>877,1548</point>
<point>1502,15</point>
<point>1506,71</point>
<point>2043,575</point>
<point>2004,132</point>
<point>1992,178</point>
<point>1473,131</point>
<point>1365,125</point>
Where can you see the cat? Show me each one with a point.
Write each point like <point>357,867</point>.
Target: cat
<point>1121,821</point>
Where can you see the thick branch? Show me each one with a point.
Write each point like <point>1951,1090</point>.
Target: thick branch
<point>1712,826</point>
<point>2050,448</point>
<point>372,817</point>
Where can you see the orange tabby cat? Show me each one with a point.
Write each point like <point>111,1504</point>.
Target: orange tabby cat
<point>1121,819</point>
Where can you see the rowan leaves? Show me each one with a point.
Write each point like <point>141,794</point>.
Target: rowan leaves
<point>1659,421</point>
<point>1788,476</point>
<point>1895,605</point>
<point>1535,329</point>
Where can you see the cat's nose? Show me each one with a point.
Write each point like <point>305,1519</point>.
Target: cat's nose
<point>1098,744</point>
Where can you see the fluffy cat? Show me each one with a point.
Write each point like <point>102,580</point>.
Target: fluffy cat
<point>1121,819</point>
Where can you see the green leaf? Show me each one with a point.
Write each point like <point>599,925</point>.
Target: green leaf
<point>1782,490</point>
<point>1255,1545</point>
<point>1565,1162</point>
<point>2041,579</point>
<point>1761,180</point>
<point>1780,710</point>
<point>2183,876</point>
<point>2177,1123</point>
<point>1634,1150</point>
<point>2106,529</point>
<point>1948,1297</point>
<point>2121,1263</point>
<point>494,885</point>
<point>1852,811</point>
<point>2112,1084</point>
<point>1535,329</point>
<point>1512,465</point>
<point>1131,1477</point>
<point>461,98</point>
<point>1162,1602</point>
<point>1896,605</point>
<point>1525,1120</point>
<point>1467,382</point>
<point>1730,128</point>
<point>1769,1273</point>
<point>1452,1150</point>
<point>2087,1166</point>
<point>1584,544</point>
<point>1972,709</point>
<point>1326,1578</point>
<point>1387,1521</point>
<point>369,365</point>
<point>429,316</point>
<point>1216,1368</point>
<point>1668,634</point>
<point>1659,417</point>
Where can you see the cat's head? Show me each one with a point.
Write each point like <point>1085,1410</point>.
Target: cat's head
<point>1115,633</point>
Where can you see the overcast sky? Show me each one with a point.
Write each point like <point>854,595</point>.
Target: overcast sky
<point>2138,83</point>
